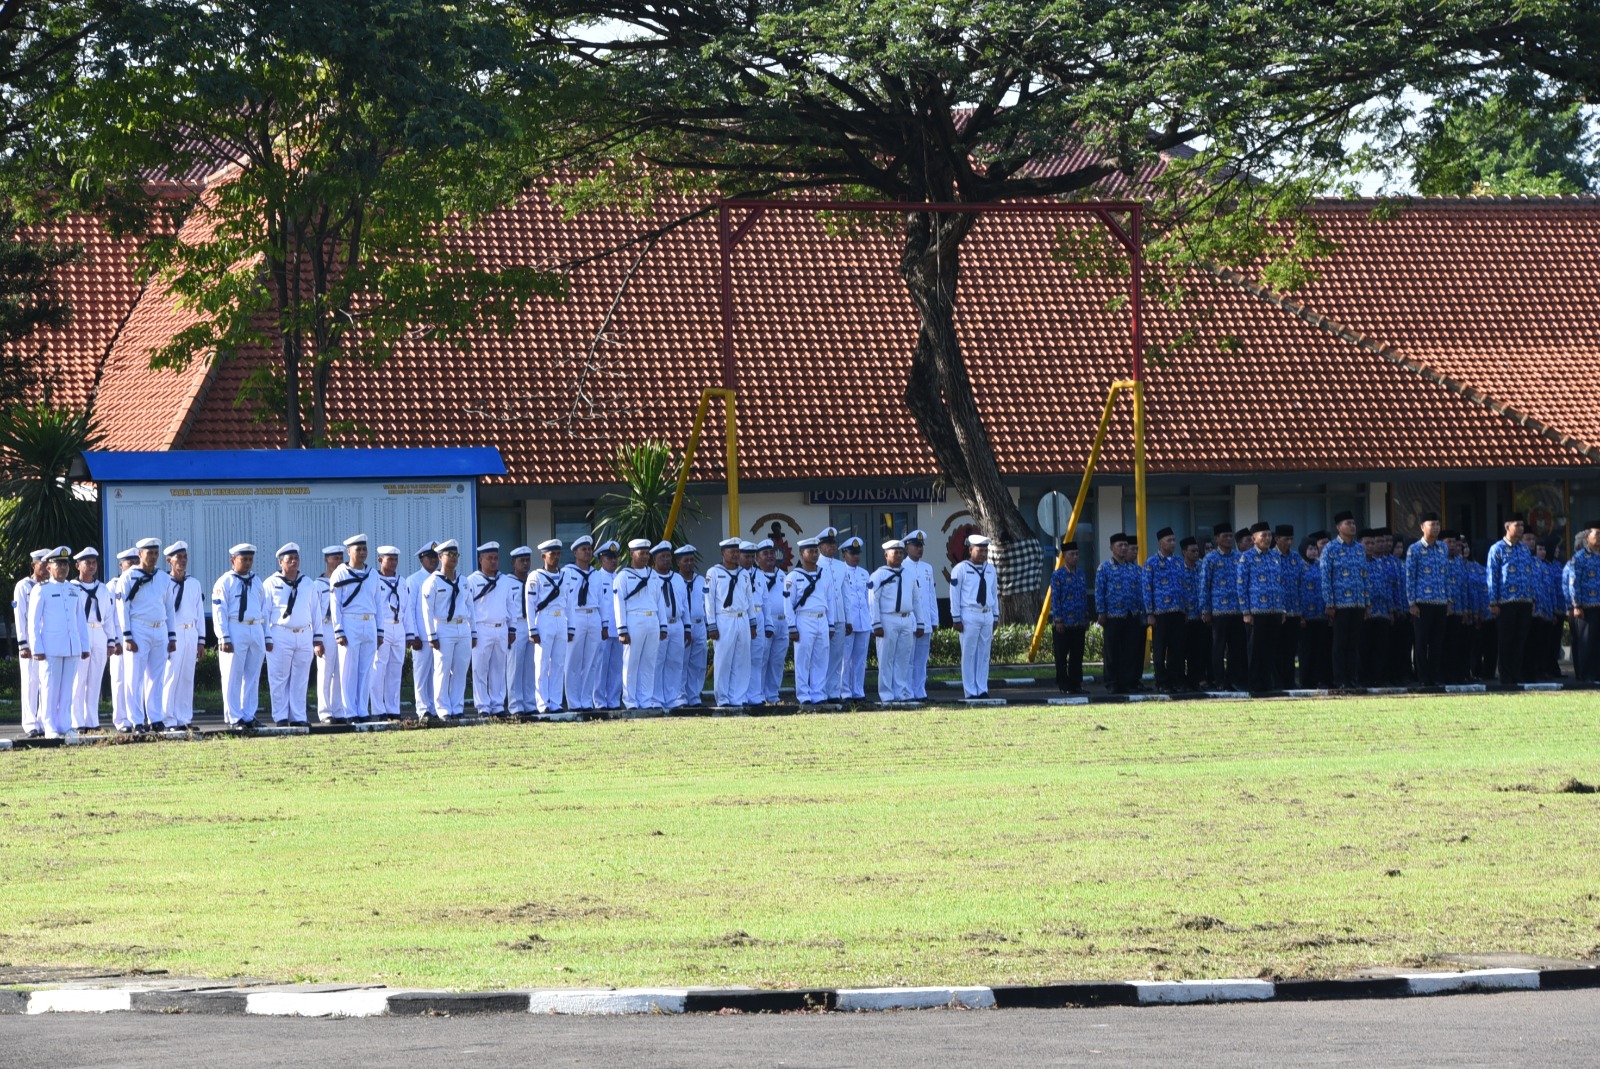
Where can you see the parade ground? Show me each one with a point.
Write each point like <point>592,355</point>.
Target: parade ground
<point>1169,840</point>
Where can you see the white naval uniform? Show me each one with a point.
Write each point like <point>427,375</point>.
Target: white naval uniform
<point>805,606</point>
<point>57,632</point>
<point>974,604</point>
<point>521,694</point>
<point>189,604</point>
<point>581,590</point>
<point>31,669</point>
<point>491,598</point>
<point>447,620</point>
<point>772,645</point>
<point>239,614</point>
<point>694,655</point>
<point>857,617</point>
<point>755,687</point>
<point>100,617</point>
<point>421,660</point>
<point>549,621</point>
<point>145,609</point>
<point>119,678</point>
<point>353,602</point>
<point>836,644</point>
<point>928,617</point>
<point>608,664</point>
<point>294,620</point>
<point>669,657</point>
<point>728,594</point>
<point>330,705</point>
<point>640,611</point>
<point>893,606</point>
<point>397,627</point>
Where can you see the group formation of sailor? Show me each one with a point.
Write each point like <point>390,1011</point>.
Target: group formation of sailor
<point>1352,608</point>
<point>570,636</point>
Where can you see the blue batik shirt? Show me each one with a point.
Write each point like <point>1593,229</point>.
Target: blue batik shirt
<point>1548,601</point>
<point>1219,583</point>
<point>1166,584</point>
<point>1119,588</point>
<point>1312,604</point>
<point>1260,581</point>
<point>1513,573</point>
<point>1380,594</point>
<point>1581,580</point>
<point>1343,569</point>
<point>1069,597</point>
<point>1293,565</point>
<point>1192,578</point>
<point>1429,577</point>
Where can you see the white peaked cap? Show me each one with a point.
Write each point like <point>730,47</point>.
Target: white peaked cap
<point>388,551</point>
<point>448,545</point>
<point>977,540</point>
<point>288,547</point>
<point>522,551</point>
<point>894,543</point>
<point>87,553</point>
<point>356,540</point>
<point>242,547</point>
<point>549,544</point>
<point>147,543</point>
<point>489,547</point>
<point>179,546</point>
<point>333,551</point>
<point>639,543</point>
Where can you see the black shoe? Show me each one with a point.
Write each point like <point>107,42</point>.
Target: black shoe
<point>247,727</point>
<point>159,725</point>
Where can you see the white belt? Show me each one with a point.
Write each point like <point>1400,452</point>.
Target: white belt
<point>641,612</point>
<point>491,623</point>
<point>805,613</point>
<point>285,627</point>
<point>552,612</point>
<point>971,611</point>
<point>249,623</point>
<point>181,627</point>
<point>360,616</point>
<point>900,615</point>
<point>456,620</point>
<point>97,623</point>
<point>583,610</point>
<point>728,612</point>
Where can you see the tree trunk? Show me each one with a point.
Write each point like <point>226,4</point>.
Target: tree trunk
<point>288,337</point>
<point>939,393</point>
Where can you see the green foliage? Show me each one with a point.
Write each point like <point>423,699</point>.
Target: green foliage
<point>28,301</point>
<point>38,446</point>
<point>649,472</point>
<point>1510,137</point>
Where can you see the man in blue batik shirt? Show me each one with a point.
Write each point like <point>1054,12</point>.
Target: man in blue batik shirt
<point>1196,633</point>
<point>1119,601</point>
<point>1262,599</point>
<point>1513,583</point>
<point>1069,619</point>
<point>1293,618</point>
<point>1428,597</point>
<point>1166,607</point>
<point>1345,595</point>
<point>1219,607</point>
<point>1580,586</point>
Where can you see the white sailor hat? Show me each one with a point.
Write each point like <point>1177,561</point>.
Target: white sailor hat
<point>287,548</point>
<point>806,543</point>
<point>522,551</point>
<point>977,540</point>
<point>919,535</point>
<point>449,545</point>
<point>747,547</point>
<point>662,546</point>
<point>828,534</point>
<point>550,545</point>
<point>728,543</point>
<point>43,554</point>
<point>356,540</point>
<point>852,543</point>
<point>87,553</point>
<point>765,543</point>
<point>147,543</point>
<point>127,554</point>
<point>427,548</point>
<point>894,543</point>
<point>388,551</point>
<point>582,540</point>
<point>685,550</point>
<point>180,546</point>
<point>489,547</point>
<point>639,543</point>
<point>608,547</point>
<point>60,555</point>
<point>333,551</point>
<point>242,547</point>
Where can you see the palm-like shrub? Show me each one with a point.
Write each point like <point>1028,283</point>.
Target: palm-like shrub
<point>38,504</point>
<point>649,471</point>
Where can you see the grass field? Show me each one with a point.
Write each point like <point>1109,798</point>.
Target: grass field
<point>985,845</point>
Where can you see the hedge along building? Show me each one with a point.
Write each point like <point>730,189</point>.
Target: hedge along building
<point>1445,359</point>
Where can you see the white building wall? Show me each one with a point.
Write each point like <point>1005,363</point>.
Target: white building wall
<point>1377,504</point>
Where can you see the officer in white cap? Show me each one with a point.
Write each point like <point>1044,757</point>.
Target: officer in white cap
<point>396,630</point>
<point>580,586</point>
<point>728,625</point>
<point>421,652</point>
<point>522,697</point>
<point>149,634</point>
<point>640,612</point>
<point>353,601</point>
<point>239,614</point>
<point>38,572</point>
<point>120,718</point>
<point>921,573</point>
<point>448,628</point>
<point>806,611</point>
<point>669,658</point>
<point>99,611</point>
<point>893,609</point>
<point>857,622</point>
<point>694,651</point>
<point>58,637</point>
<point>294,622</point>
<point>189,608</point>
<point>828,543</point>
<point>772,630</point>
<point>755,681</point>
<point>974,607</point>
<point>608,665</point>
<point>330,702</point>
<point>493,599</point>
<point>549,629</point>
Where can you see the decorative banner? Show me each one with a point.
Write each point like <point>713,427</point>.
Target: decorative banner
<point>894,495</point>
<point>780,542</point>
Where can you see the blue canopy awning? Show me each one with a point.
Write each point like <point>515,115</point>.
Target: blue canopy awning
<point>292,465</point>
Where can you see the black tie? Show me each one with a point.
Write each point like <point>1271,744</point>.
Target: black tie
<point>294,592</point>
<point>727,602</point>
<point>455,592</point>
<point>983,586</point>
<point>244,592</point>
<point>811,581</point>
<point>394,596</point>
<point>672,601</point>
<point>94,602</point>
<point>899,588</point>
<point>177,602</point>
<point>493,581</point>
<point>583,591</point>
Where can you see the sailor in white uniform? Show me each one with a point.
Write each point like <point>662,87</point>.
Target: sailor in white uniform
<point>828,542</point>
<point>99,613</point>
<point>974,607</point>
<point>421,652</point>
<point>550,628</point>
<point>353,604</point>
<point>857,622</point>
<point>608,664</point>
<point>294,622</point>
<point>447,626</point>
<point>669,658</point>
<point>189,609</point>
<point>522,696</point>
<point>239,614</point>
<point>396,629</point>
<point>492,598</point>
<point>893,604</point>
<point>766,665</point>
<point>728,594</point>
<point>640,613</point>
<point>31,669</point>
<point>921,573</point>
<point>330,706</point>
<point>58,636</point>
<point>694,653</point>
<point>581,586</point>
<point>806,610</point>
<point>119,678</point>
<point>760,627</point>
<point>149,634</point>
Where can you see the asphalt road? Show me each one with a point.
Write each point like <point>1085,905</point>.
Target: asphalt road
<point>1548,1030</point>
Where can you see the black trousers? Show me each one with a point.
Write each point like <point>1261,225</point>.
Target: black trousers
<point>1586,644</point>
<point>1375,650</point>
<point>1124,642</point>
<point>1288,651</point>
<point>1457,649</point>
<point>1536,652</point>
<point>1166,648</point>
<point>1428,630</point>
<point>1402,648</point>
<point>1265,629</point>
<point>1488,647</point>
<point>1316,652</point>
<point>1513,624</point>
<point>1348,635</point>
<point>1068,644</point>
<point>1228,656</point>
<point>1196,652</point>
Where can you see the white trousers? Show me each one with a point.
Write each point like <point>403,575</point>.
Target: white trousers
<point>730,664</point>
<point>450,663</point>
<point>145,672</point>
<point>489,669</point>
<point>777,654</point>
<point>355,665</point>
<point>289,673</point>
<point>810,657</point>
<point>755,691</point>
<point>32,673</point>
<point>241,678</point>
<point>177,689</point>
<point>119,692</point>
<point>894,658</point>
<point>669,669</point>
<point>608,675</point>
<point>329,704</point>
<point>91,677</point>
<point>853,683</point>
<point>583,658</point>
<point>920,649</point>
<point>421,680</point>
<point>835,662</point>
<point>550,663</point>
<point>694,666</point>
<point>977,635</point>
<point>521,694</point>
<point>58,679</point>
<point>639,661</point>
<point>388,664</point>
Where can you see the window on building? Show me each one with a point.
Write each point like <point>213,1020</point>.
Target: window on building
<point>570,522</point>
<point>874,526</point>
<point>1187,512</point>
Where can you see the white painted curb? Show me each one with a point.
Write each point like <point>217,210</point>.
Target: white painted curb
<point>1474,980</point>
<point>1204,990</point>
<point>606,1001</point>
<point>1071,699</point>
<point>364,1002</point>
<point>80,1000</point>
<point>5,744</point>
<point>915,998</point>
